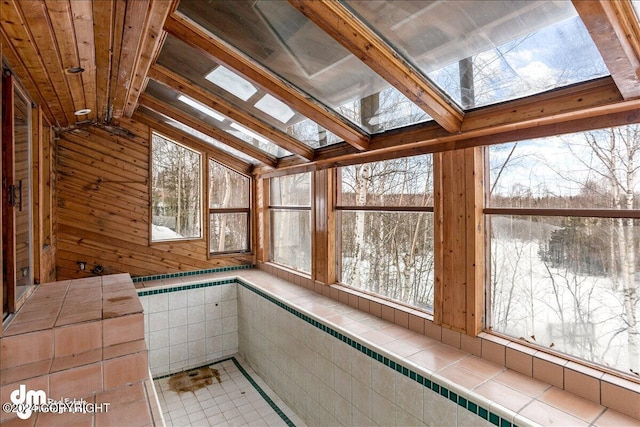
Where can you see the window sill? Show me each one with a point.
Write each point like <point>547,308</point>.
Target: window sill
<point>597,385</point>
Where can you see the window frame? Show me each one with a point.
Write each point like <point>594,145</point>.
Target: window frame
<point>246,210</point>
<point>488,211</point>
<point>339,207</point>
<point>201,155</point>
<point>291,208</point>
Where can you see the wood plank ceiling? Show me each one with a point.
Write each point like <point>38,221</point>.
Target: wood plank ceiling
<point>116,44</point>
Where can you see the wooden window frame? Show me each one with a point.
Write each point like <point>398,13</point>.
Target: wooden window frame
<point>298,208</point>
<point>203,225</point>
<point>339,208</point>
<point>246,210</point>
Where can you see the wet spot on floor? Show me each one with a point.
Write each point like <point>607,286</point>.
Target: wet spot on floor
<point>193,380</point>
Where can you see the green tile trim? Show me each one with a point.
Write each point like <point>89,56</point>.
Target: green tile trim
<point>398,367</point>
<point>255,385</point>
<point>144,293</point>
<point>139,279</point>
<point>264,395</point>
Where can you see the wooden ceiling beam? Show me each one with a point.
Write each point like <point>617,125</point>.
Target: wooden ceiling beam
<point>187,139</point>
<point>135,16</point>
<point>190,33</point>
<point>337,21</point>
<point>615,31</point>
<point>62,43</point>
<point>82,15</point>
<point>592,105</point>
<point>104,34</point>
<point>184,86</point>
<point>218,134</point>
<point>152,39</point>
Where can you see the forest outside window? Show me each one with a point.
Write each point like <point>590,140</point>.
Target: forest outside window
<point>290,221</point>
<point>385,214</point>
<point>229,201</point>
<point>176,191</point>
<point>564,230</point>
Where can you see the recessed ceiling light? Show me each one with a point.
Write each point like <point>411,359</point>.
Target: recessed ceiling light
<point>82,112</point>
<point>74,70</point>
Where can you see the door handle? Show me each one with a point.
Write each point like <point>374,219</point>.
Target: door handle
<point>15,195</point>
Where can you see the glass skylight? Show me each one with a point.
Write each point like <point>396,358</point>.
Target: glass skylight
<point>284,41</point>
<point>197,134</point>
<point>275,108</point>
<point>636,7</point>
<point>231,82</point>
<point>201,107</point>
<point>187,62</point>
<point>484,52</point>
<point>257,140</point>
<point>172,98</point>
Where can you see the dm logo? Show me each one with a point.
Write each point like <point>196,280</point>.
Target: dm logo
<point>26,401</point>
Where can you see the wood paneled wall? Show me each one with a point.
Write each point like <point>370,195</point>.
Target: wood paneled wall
<point>459,240</point>
<point>103,200</point>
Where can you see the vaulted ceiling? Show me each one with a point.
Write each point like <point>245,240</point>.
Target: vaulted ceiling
<point>284,85</point>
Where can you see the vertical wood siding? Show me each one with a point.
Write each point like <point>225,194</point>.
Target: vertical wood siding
<point>103,209</point>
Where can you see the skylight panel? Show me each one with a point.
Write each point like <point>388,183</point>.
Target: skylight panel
<point>231,82</point>
<point>211,141</point>
<point>262,143</point>
<point>201,107</point>
<point>250,133</point>
<point>288,44</point>
<point>490,51</point>
<point>275,108</point>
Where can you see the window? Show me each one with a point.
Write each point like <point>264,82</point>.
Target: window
<point>176,189</point>
<point>564,230</point>
<point>290,219</point>
<point>386,229</point>
<point>229,201</point>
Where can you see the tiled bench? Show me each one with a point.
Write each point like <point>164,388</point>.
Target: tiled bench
<point>81,339</point>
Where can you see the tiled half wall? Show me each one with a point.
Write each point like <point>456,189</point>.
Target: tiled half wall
<point>188,326</point>
<point>327,377</point>
<point>331,379</point>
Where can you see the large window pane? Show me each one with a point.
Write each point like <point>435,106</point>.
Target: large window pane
<point>406,181</point>
<point>484,52</point>
<point>291,190</point>
<point>229,232</point>
<point>386,229</point>
<point>390,254</point>
<point>291,238</point>
<point>227,188</point>
<point>290,210</point>
<point>585,170</point>
<point>564,238</point>
<point>176,189</point>
<point>229,209</point>
<point>567,283</point>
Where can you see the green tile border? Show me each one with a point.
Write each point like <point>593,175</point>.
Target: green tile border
<point>255,385</point>
<point>474,408</point>
<point>156,291</point>
<point>139,279</point>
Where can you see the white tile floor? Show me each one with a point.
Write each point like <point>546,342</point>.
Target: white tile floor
<point>232,402</point>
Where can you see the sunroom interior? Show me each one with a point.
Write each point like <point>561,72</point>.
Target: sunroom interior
<point>393,212</point>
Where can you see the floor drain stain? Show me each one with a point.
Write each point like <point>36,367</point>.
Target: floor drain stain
<point>193,380</point>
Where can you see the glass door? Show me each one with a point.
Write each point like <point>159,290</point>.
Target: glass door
<point>16,190</point>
